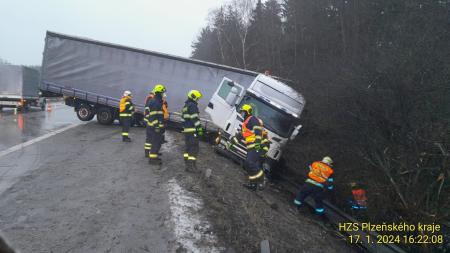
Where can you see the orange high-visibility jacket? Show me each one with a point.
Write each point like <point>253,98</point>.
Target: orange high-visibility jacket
<point>165,110</point>
<point>320,172</point>
<point>123,102</point>
<point>252,130</point>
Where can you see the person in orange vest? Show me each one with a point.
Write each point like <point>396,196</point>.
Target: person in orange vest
<point>251,133</point>
<point>126,110</point>
<point>359,200</point>
<point>319,179</point>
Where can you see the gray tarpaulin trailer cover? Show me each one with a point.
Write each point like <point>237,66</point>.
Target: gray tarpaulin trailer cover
<point>18,82</point>
<point>100,72</point>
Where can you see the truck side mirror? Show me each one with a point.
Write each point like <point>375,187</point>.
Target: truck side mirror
<point>295,132</point>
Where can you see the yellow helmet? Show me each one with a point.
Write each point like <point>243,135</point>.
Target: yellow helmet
<point>159,88</point>
<point>194,95</point>
<point>327,160</point>
<point>247,108</point>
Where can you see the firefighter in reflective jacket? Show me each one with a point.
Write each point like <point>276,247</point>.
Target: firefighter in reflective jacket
<point>153,116</point>
<point>165,110</point>
<point>359,201</point>
<point>192,129</point>
<point>251,133</point>
<point>126,110</point>
<point>319,179</point>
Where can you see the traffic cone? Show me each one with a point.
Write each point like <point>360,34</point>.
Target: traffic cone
<point>49,107</point>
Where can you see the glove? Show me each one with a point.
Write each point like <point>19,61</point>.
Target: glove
<point>200,131</point>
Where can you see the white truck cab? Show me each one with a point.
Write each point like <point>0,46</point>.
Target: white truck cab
<point>275,103</point>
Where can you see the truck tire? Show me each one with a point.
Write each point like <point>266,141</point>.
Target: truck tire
<point>105,116</point>
<point>85,112</point>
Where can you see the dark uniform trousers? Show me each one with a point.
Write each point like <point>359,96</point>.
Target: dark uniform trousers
<point>126,124</point>
<point>316,192</point>
<point>192,146</point>
<point>155,139</point>
<point>254,164</point>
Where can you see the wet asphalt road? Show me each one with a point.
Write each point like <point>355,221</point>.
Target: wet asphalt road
<point>83,190</point>
<point>21,127</point>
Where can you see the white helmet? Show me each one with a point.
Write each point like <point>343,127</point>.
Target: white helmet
<point>127,93</point>
<point>327,160</point>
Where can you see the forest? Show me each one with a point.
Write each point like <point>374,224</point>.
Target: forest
<point>376,78</point>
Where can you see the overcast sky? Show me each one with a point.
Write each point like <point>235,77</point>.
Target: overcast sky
<point>167,26</point>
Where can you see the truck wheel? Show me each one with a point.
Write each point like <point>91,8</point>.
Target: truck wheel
<point>85,112</point>
<point>105,116</point>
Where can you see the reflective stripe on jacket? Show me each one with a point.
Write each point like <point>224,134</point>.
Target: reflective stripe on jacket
<point>190,115</point>
<point>153,112</point>
<point>165,107</point>
<point>320,172</point>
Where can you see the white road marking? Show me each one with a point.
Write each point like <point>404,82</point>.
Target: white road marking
<point>192,232</point>
<point>38,139</point>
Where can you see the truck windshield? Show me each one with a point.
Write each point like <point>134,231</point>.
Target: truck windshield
<point>274,119</point>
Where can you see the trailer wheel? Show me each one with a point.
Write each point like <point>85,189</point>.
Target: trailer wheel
<point>105,116</point>
<point>85,112</point>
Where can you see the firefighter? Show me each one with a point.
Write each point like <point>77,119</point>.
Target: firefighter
<point>126,110</point>
<point>147,145</point>
<point>251,133</point>
<point>155,123</point>
<point>192,129</point>
<point>319,179</point>
<point>359,198</point>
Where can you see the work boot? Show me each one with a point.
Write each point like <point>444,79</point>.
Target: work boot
<point>126,139</point>
<point>250,185</point>
<point>262,183</point>
<point>155,161</point>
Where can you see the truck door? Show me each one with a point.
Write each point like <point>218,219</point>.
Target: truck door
<point>223,102</point>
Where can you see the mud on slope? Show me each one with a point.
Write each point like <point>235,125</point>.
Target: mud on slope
<point>242,219</point>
